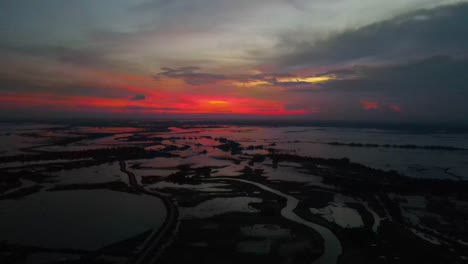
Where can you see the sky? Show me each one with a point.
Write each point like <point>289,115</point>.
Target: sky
<point>370,60</point>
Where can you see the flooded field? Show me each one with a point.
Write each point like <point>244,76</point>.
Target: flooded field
<point>144,193</point>
<point>78,219</point>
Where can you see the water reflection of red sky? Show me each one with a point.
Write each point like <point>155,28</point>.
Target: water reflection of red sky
<point>207,131</point>
<point>106,130</point>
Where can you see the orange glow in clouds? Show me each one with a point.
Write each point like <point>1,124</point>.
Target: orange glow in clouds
<point>177,105</point>
<point>369,105</point>
<point>115,93</point>
<point>316,79</point>
<point>217,102</point>
<point>279,80</point>
<point>396,108</point>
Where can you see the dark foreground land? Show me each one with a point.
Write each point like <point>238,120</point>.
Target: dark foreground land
<point>239,201</point>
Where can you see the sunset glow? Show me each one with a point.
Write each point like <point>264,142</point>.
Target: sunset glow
<point>157,58</point>
<point>217,102</point>
<point>318,79</point>
<point>233,131</point>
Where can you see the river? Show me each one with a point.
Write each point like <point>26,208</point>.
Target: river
<point>332,245</point>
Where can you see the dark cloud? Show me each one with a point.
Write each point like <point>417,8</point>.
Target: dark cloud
<point>294,107</point>
<point>190,75</point>
<point>138,97</point>
<point>298,85</point>
<point>87,57</point>
<point>195,15</point>
<point>426,89</point>
<point>12,85</point>
<point>275,80</point>
<point>270,76</point>
<point>284,79</point>
<point>441,30</point>
<point>431,75</point>
<point>148,108</point>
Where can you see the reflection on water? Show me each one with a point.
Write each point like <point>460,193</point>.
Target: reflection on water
<point>95,174</point>
<point>45,258</point>
<point>85,220</point>
<point>258,247</point>
<point>304,141</point>
<point>204,187</point>
<point>341,215</point>
<point>180,162</point>
<point>311,142</point>
<point>219,206</point>
<point>266,231</point>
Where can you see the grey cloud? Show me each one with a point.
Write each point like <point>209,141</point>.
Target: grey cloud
<point>294,107</point>
<point>11,85</point>
<point>295,84</point>
<point>95,56</point>
<point>198,12</point>
<point>442,30</point>
<point>427,89</point>
<point>138,97</point>
<point>433,74</point>
<point>190,75</point>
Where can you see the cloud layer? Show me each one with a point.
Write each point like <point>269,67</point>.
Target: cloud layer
<point>375,60</point>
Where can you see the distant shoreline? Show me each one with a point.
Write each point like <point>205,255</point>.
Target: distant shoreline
<point>415,127</point>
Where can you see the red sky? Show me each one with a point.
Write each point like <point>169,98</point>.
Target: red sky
<point>375,60</point>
